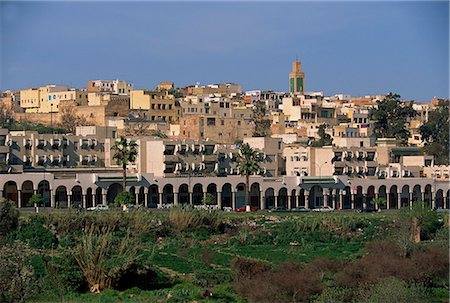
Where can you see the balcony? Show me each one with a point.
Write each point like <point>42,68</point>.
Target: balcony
<point>171,158</point>
<point>209,158</point>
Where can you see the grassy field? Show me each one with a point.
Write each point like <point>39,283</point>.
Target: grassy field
<point>191,258</point>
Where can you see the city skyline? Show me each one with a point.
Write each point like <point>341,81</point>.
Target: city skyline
<point>343,46</point>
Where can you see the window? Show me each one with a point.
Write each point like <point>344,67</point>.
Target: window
<point>361,143</point>
<point>239,122</point>
<point>222,122</point>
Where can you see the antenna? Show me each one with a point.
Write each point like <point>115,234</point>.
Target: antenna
<point>296,57</point>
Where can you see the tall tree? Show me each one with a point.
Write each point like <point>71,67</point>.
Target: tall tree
<point>390,116</point>
<point>435,133</point>
<point>262,123</point>
<point>70,118</point>
<point>248,164</point>
<point>125,152</point>
<point>325,139</point>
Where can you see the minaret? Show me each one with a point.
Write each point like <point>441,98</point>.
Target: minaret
<point>296,78</point>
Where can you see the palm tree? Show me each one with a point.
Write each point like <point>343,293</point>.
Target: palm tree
<point>248,164</point>
<point>125,152</point>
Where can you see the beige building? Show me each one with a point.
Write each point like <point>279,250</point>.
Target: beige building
<point>160,105</point>
<point>110,86</point>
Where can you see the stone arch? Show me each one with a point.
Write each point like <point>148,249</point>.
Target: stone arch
<point>370,195</point>
<point>61,199</point>
<point>226,195</point>
<point>99,196</point>
<point>153,196</point>
<point>113,190</point>
<point>302,198</point>
<point>347,198</point>
<point>393,196</point>
<point>447,199</point>
<point>283,197</point>
<point>241,192</point>
<point>167,194</point>
<point>26,193</point>
<point>405,196</point>
<point>197,194</point>
<point>255,195</point>
<point>212,190</point>
<point>315,196</point>
<point>270,198</point>
<point>89,199</point>
<point>183,194</point>
<point>293,201</point>
<point>44,191</point>
<point>10,191</point>
<point>76,196</point>
<point>440,199</point>
<point>141,196</point>
<point>417,194</point>
<point>427,196</point>
<point>359,197</point>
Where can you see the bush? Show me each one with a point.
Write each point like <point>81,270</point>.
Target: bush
<point>35,199</point>
<point>35,234</point>
<point>9,217</point>
<point>103,259</point>
<point>188,219</point>
<point>291,281</point>
<point>392,290</point>
<point>124,198</point>
<point>16,274</point>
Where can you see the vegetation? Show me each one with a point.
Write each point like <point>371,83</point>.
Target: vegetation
<point>186,255</point>
<point>248,164</point>
<point>35,200</point>
<point>70,118</point>
<point>325,139</point>
<point>390,116</point>
<point>9,217</point>
<point>435,133</point>
<point>124,198</point>
<point>125,152</point>
<point>262,123</point>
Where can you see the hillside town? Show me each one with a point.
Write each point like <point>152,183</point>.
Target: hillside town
<point>314,150</point>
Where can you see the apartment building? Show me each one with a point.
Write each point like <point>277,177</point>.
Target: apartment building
<point>29,150</point>
<point>110,86</point>
<point>159,104</point>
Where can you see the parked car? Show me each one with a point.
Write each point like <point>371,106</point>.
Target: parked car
<point>301,209</point>
<point>243,209</point>
<point>227,209</point>
<point>99,207</point>
<point>278,209</point>
<point>323,209</point>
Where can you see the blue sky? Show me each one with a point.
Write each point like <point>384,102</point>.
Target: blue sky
<point>358,48</point>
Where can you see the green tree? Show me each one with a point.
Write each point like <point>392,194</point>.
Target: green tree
<point>9,217</point>
<point>325,139</point>
<point>390,116</point>
<point>124,198</point>
<point>379,202</point>
<point>35,199</point>
<point>125,152</point>
<point>262,123</point>
<point>248,164</point>
<point>435,133</point>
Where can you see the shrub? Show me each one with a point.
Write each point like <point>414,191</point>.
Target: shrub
<point>103,259</point>
<point>124,198</point>
<point>334,295</point>
<point>9,217</point>
<point>35,199</point>
<point>187,219</point>
<point>392,290</point>
<point>291,281</point>
<point>16,274</point>
<point>35,234</point>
